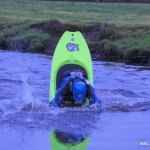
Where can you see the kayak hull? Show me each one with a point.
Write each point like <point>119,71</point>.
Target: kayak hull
<point>71,53</point>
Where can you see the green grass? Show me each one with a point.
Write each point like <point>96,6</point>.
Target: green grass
<point>81,13</point>
<point>124,28</point>
<point>129,49</point>
<point>21,37</point>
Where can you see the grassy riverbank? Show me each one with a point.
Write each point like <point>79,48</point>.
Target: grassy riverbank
<point>113,31</point>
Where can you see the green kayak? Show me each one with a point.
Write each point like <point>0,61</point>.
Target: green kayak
<point>71,53</point>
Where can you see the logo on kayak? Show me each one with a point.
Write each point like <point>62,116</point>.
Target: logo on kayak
<point>72,47</point>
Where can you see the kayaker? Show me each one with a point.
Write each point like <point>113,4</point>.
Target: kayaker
<point>74,90</point>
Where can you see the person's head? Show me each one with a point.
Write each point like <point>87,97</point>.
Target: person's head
<point>78,90</point>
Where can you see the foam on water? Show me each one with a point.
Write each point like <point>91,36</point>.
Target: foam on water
<point>24,92</point>
<point>27,110</point>
<point>26,116</point>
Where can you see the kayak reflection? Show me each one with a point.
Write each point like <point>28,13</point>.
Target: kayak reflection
<point>63,140</point>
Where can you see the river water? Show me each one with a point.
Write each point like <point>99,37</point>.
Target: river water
<point>27,123</point>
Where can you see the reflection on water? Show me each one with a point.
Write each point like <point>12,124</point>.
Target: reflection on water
<point>114,130</point>
<point>27,123</point>
<point>68,141</point>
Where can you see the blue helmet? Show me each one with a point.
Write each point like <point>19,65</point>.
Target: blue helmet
<point>79,90</point>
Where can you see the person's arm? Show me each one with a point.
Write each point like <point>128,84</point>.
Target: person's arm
<point>93,99</point>
<point>92,96</point>
<point>59,97</point>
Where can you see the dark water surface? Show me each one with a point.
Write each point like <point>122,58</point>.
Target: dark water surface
<point>27,123</point>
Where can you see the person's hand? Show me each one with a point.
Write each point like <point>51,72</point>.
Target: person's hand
<point>99,104</point>
<point>75,74</point>
<point>53,104</point>
<point>87,82</point>
<point>97,107</point>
